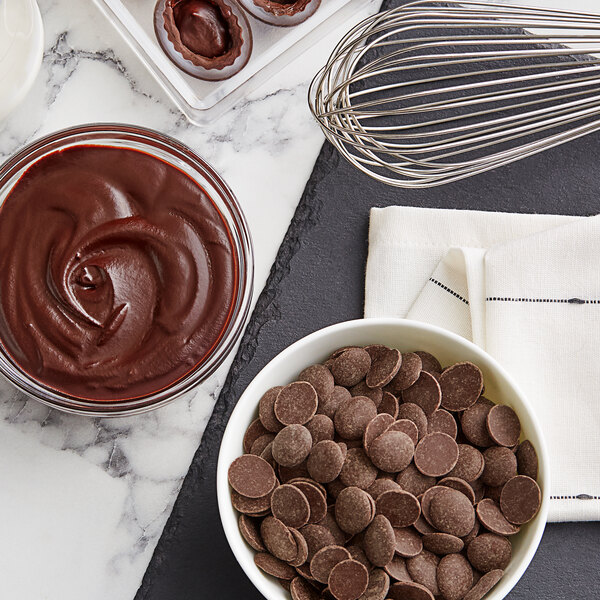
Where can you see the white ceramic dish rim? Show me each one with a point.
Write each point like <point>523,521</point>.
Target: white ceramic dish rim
<point>248,404</point>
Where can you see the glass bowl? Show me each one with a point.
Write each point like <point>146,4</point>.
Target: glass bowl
<point>184,159</point>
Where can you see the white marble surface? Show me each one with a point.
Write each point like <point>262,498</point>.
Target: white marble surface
<point>83,501</point>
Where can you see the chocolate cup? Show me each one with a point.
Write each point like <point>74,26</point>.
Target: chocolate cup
<point>215,68</point>
<point>279,13</point>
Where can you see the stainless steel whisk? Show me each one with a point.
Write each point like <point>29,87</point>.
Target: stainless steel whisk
<point>430,92</point>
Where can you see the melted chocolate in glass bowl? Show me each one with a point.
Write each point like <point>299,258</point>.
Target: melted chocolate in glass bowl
<point>117,273</point>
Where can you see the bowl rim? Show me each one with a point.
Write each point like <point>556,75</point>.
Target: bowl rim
<point>179,154</point>
<point>229,517</point>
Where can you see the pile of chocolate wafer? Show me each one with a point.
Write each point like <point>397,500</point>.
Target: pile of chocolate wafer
<point>379,474</point>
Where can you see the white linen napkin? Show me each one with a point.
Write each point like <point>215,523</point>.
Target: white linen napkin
<point>526,288</point>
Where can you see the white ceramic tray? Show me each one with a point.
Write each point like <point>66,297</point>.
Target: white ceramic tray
<point>204,101</point>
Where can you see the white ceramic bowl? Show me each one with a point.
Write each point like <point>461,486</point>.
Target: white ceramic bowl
<point>405,335</point>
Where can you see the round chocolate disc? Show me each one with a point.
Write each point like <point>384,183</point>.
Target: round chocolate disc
<point>379,584</point>
<point>300,589</point>
<point>324,561</point>
<point>489,551</point>
<point>422,526</point>
<point>325,461</point>
<point>409,590</point>
<point>474,423</point>
<point>469,465</point>
<point>484,585</point>
<point>251,476</point>
<point>443,422</point>
<point>425,392</point>
<point>452,512</point>
<point>362,389</point>
<point>358,470</point>
<point>278,539</point>
<point>527,460</point>
<point>351,366</point>
<point>503,425</point>
<point>382,485</point>
<point>436,454</point>
<point>379,541</point>
<point>520,499</point>
<point>251,533</point>
<point>254,431</point>
<point>316,499</point>
<point>348,580</point>
<point>290,506</point>
<point>478,489</point>
<point>353,510</point>
<point>317,536</point>
<point>320,378</point>
<point>292,445</point>
<point>251,506</point>
<point>414,413</point>
<point>410,369</point>
<point>330,405</point>
<point>302,555</point>
<point>392,451</point>
<point>296,403</point>
<point>267,454</point>
<point>397,570</point>
<point>389,404</point>
<point>408,542</point>
<point>491,517</point>
<point>426,499</point>
<point>413,481</point>
<point>401,508</point>
<point>442,543</point>
<point>304,571</point>
<point>261,443</point>
<point>459,484</point>
<point>321,428</point>
<point>429,362</point>
<point>273,566</point>
<point>340,351</point>
<point>266,411</point>
<point>454,576</point>
<point>375,427</point>
<point>353,416</point>
<point>423,569</point>
<point>500,466</point>
<point>408,427</point>
<point>461,385</point>
<point>385,363</point>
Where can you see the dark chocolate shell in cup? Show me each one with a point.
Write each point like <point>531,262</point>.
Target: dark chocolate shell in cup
<point>283,13</point>
<point>207,39</point>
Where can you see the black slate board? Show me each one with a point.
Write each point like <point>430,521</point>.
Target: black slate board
<point>316,280</point>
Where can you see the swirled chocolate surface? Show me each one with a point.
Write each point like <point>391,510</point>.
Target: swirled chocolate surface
<point>117,273</point>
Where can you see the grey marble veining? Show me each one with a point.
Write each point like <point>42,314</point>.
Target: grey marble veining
<point>83,500</point>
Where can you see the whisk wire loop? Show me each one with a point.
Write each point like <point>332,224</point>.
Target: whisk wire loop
<point>430,92</point>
